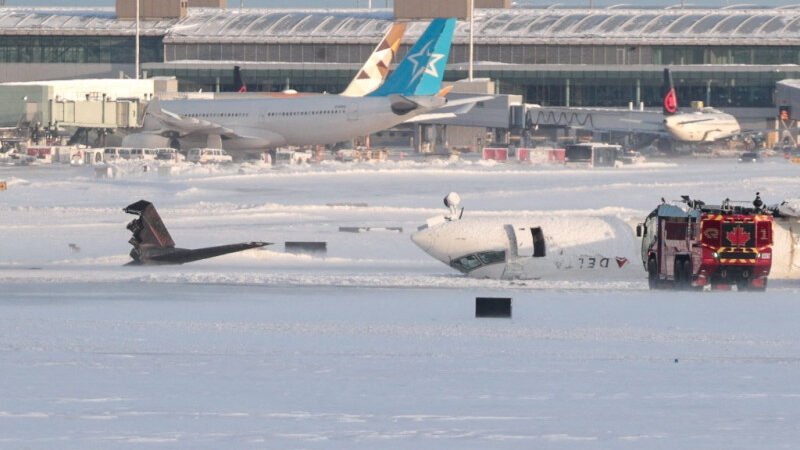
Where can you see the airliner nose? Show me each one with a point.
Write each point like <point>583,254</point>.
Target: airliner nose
<point>428,240</point>
<point>422,238</point>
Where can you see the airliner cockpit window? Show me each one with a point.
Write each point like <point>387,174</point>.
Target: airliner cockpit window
<point>466,263</point>
<point>493,257</point>
<point>469,263</point>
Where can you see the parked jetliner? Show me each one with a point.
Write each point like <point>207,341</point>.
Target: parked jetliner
<point>695,126</point>
<point>705,125</point>
<point>528,248</point>
<point>254,124</point>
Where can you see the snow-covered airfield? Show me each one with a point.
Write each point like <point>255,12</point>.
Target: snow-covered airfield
<point>376,345</point>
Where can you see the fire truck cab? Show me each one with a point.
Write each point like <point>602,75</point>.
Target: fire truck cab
<point>692,245</point>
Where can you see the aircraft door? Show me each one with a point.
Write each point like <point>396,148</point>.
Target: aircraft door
<point>526,245</point>
<point>526,241</point>
<point>523,240</point>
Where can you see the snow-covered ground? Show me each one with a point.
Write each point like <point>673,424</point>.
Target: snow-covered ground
<point>375,345</point>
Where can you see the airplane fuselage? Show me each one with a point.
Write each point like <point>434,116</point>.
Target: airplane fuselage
<point>701,126</point>
<point>306,120</point>
<point>534,248</point>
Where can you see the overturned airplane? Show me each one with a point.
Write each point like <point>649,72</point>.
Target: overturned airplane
<point>530,248</point>
<point>152,244</point>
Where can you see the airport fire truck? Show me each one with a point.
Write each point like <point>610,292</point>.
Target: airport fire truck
<point>692,245</point>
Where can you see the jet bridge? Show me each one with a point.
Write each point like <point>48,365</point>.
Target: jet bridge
<point>506,113</point>
<point>595,119</point>
<point>94,114</point>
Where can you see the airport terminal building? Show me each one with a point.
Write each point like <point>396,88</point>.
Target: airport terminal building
<point>728,58</point>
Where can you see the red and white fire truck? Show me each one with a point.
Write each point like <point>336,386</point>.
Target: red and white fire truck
<point>692,245</point>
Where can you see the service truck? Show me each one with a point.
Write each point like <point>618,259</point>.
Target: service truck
<point>693,245</point>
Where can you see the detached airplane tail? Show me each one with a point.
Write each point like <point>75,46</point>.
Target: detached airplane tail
<point>238,83</point>
<point>153,245</point>
<point>670,106</point>
<point>149,232</point>
<point>422,71</point>
<point>373,73</point>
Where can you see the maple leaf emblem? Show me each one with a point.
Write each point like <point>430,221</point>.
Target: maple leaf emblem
<point>738,237</point>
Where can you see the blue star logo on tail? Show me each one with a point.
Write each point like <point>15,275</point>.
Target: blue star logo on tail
<point>425,53</point>
<point>422,70</point>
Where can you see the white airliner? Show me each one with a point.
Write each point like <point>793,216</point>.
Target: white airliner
<point>256,124</point>
<point>531,248</point>
<point>704,125</point>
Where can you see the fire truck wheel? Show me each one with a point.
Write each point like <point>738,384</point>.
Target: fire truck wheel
<point>683,273</point>
<point>652,274</point>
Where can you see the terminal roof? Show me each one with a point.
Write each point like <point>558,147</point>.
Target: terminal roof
<point>518,25</point>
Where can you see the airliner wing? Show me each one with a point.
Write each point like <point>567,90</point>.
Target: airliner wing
<point>185,125</point>
<point>449,110</point>
<point>431,117</point>
<point>469,101</point>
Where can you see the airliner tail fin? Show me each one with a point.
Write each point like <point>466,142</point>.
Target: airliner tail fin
<point>422,71</point>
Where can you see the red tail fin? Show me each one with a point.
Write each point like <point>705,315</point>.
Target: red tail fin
<point>670,98</point>
<point>237,80</point>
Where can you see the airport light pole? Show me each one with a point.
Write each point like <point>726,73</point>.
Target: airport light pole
<point>471,39</point>
<point>137,40</point>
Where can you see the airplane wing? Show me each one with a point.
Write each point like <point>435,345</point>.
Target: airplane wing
<point>469,101</point>
<point>161,122</point>
<point>184,126</point>
<point>431,117</point>
<point>699,120</point>
<point>451,109</point>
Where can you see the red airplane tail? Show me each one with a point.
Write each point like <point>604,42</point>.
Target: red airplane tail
<point>670,105</point>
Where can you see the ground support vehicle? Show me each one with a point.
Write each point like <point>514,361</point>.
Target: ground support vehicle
<point>693,245</point>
